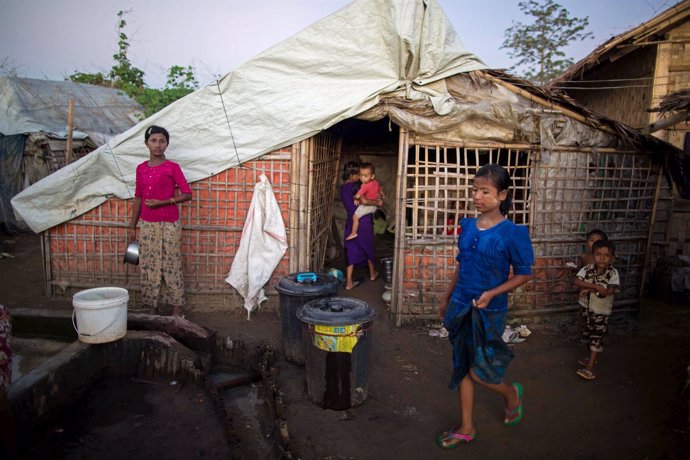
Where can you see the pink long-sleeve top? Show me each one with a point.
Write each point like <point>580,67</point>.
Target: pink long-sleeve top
<point>158,182</point>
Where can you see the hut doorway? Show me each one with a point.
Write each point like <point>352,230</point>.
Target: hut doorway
<point>375,142</point>
<point>314,173</point>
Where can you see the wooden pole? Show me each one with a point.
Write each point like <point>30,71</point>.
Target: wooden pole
<point>68,147</point>
<point>399,246</point>
<point>663,123</point>
<point>303,180</point>
<point>650,238</point>
<point>293,239</point>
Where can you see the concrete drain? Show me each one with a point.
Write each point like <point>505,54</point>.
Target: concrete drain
<point>150,396</point>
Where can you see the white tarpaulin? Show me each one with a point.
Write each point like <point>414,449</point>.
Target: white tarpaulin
<point>263,244</point>
<point>331,71</point>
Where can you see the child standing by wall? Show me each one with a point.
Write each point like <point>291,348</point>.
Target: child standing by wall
<point>600,281</point>
<point>474,308</point>
<point>368,194</point>
<point>593,236</point>
<point>587,258</point>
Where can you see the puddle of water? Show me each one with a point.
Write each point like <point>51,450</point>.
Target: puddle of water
<point>28,354</point>
<point>247,409</point>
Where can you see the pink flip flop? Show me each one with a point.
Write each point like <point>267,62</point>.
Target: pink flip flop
<point>451,434</point>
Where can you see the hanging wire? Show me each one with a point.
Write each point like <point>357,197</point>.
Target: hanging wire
<point>227,120</point>
<point>609,80</point>
<point>591,88</point>
<point>119,170</point>
<point>660,79</point>
<point>599,87</point>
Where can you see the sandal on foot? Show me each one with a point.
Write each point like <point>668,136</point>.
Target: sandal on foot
<point>446,436</point>
<point>585,362</point>
<point>586,374</point>
<point>514,415</point>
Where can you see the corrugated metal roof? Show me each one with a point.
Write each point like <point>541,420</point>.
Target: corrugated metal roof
<point>31,105</point>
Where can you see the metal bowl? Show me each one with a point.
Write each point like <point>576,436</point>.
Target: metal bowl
<point>132,253</point>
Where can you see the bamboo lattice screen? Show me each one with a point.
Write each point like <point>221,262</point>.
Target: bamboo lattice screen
<point>560,195</point>
<point>323,171</point>
<point>579,191</point>
<point>88,251</point>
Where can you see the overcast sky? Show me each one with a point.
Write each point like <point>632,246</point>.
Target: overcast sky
<point>54,38</point>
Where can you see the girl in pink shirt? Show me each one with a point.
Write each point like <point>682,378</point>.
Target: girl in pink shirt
<point>160,187</point>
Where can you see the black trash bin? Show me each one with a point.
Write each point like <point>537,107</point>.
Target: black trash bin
<point>337,335</point>
<point>295,290</point>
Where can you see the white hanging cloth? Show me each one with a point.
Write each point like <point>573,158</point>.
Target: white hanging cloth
<point>263,244</point>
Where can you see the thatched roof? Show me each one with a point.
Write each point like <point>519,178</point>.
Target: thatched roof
<point>558,99</point>
<point>620,45</point>
<point>676,162</point>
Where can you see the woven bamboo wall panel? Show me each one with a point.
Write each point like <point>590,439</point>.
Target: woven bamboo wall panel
<point>88,251</point>
<point>621,90</point>
<point>439,186</point>
<point>561,198</point>
<point>438,195</point>
<point>679,78</point>
<point>323,169</point>
<point>582,191</point>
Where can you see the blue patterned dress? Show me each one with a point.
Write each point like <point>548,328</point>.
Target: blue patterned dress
<point>485,258</point>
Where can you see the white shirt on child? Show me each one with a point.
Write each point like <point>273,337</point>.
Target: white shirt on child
<point>594,301</point>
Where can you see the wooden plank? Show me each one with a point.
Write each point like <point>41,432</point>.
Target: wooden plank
<point>660,80</point>
<point>70,124</point>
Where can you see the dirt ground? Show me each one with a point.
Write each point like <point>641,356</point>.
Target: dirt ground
<point>633,410</point>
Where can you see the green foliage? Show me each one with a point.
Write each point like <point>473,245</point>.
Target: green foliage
<point>181,78</point>
<point>97,79</point>
<point>538,46</point>
<point>180,82</point>
<point>123,75</point>
<point>154,100</point>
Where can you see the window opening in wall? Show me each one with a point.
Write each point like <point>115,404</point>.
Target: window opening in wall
<point>439,186</point>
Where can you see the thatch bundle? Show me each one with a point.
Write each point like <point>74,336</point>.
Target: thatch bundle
<point>675,102</point>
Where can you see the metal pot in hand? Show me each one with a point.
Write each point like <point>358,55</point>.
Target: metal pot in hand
<point>132,253</point>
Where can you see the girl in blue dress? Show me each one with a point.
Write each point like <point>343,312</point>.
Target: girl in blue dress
<point>474,308</point>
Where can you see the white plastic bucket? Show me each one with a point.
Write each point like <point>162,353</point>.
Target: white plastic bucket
<point>101,314</point>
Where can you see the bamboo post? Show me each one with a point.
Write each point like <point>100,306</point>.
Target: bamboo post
<point>47,272</point>
<point>303,180</point>
<point>398,250</point>
<point>310,177</point>
<point>293,236</point>
<point>68,147</point>
<point>650,233</point>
